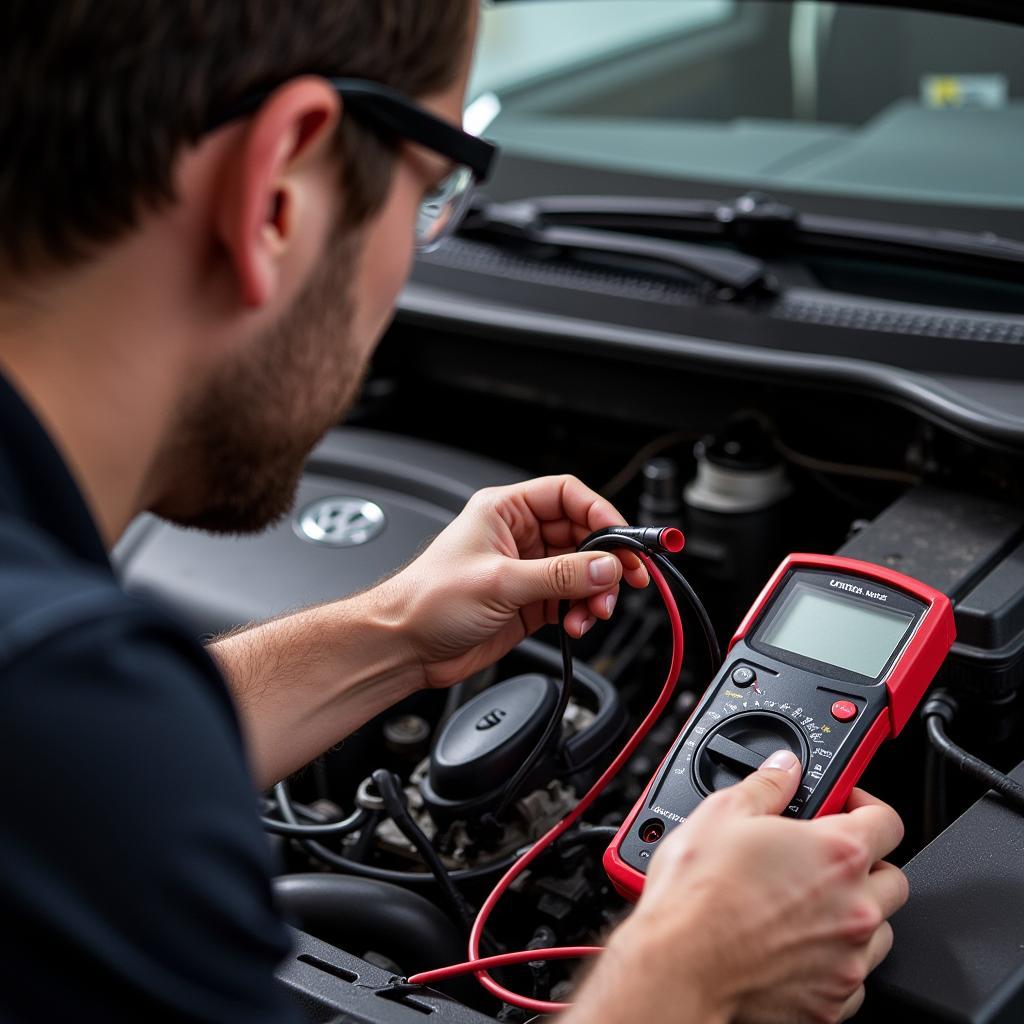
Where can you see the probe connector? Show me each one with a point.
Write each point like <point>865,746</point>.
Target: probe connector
<point>668,539</point>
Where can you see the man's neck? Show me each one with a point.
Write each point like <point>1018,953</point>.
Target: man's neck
<point>106,402</point>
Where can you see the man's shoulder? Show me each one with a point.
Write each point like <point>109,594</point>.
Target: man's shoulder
<point>153,870</point>
<point>37,571</point>
<point>105,670</point>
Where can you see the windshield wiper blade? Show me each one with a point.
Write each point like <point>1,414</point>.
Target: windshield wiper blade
<point>730,274</point>
<point>983,252</point>
<point>757,222</point>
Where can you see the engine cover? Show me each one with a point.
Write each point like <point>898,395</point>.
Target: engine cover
<point>367,503</point>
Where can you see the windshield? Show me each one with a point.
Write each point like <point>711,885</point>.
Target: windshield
<point>808,96</point>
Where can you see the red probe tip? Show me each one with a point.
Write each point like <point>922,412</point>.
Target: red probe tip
<point>671,539</point>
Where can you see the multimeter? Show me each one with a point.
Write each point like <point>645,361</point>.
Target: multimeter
<point>830,661</point>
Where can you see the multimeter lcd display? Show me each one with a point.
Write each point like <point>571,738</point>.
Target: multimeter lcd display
<point>837,630</point>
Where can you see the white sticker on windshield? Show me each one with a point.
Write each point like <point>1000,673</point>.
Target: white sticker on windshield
<point>982,92</point>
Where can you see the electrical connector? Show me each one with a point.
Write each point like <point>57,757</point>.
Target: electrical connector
<point>666,539</point>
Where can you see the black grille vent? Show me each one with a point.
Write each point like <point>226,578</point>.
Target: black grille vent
<point>861,315</point>
<point>894,320</point>
<point>460,254</point>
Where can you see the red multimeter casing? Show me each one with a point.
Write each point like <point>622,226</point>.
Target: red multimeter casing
<point>831,660</point>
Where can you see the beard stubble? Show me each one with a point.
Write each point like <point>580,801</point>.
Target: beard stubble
<point>237,456</point>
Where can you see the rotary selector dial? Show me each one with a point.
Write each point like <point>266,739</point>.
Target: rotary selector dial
<point>736,747</point>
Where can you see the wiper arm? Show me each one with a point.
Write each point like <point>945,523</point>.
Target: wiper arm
<point>757,222</point>
<point>731,275</point>
<point>983,252</point>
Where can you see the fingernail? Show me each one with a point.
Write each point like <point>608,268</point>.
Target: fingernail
<point>587,625</point>
<point>602,570</point>
<point>781,759</point>
<point>609,603</point>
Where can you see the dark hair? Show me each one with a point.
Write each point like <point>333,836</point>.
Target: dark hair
<point>100,96</point>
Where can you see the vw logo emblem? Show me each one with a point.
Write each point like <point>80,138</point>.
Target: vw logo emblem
<point>491,719</point>
<point>342,522</point>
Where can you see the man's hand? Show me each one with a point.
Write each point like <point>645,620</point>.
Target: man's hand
<point>754,918</point>
<point>498,572</point>
<point>304,681</point>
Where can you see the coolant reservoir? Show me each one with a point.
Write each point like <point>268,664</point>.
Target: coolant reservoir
<point>734,517</point>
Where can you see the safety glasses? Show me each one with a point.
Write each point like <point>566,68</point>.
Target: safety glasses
<point>393,116</point>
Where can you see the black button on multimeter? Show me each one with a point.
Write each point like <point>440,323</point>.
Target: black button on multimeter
<point>743,675</point>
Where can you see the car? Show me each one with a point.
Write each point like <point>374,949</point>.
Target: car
<point>753,269</point>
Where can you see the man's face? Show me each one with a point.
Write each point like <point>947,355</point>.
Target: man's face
<point>244,438</point>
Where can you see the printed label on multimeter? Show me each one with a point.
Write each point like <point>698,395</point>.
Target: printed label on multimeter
<point>832,659</point>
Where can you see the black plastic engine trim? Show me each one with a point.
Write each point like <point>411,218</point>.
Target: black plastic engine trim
<point>450,310</point>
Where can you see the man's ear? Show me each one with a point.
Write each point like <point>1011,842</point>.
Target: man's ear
<point>263,196</point>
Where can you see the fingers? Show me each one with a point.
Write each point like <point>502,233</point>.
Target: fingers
<point>566,511</point>
<point>569,511</point>
<point>579,621</point>
<point>630,559</point>
<point>880,945</point>
<point>852,1005</point>
<point>566,534</point>
<point>562,577</point>
<point>766,791</point>
<point>873,822</point>
<point>636,577</point>
<point>862,798</point>
<point>560,511</point>
<point>888,887</point>
<point>556,497</point>
<point>601,606</point>
<point>878,948</point>
<point>584,615</point>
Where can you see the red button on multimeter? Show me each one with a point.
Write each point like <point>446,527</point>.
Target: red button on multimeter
<point>844,710</point>
<point>842,652</point>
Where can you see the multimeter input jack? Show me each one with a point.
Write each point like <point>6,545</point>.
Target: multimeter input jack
<point>651,831</point>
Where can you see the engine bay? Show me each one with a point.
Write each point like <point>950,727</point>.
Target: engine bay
<point>747,482</point>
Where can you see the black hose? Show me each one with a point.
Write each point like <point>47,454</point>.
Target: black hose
<point>295,829</point>
<point>938,711</point>
<point>345,865</point>
<point>600,834</point>
<point>358,914</point>
<point>362,846</point>
<point>415,878</point>
<point>391,792</point>
<point>353,867</point>
<point>284,803</point>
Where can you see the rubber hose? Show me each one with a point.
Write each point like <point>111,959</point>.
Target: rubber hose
<point>359,914</point>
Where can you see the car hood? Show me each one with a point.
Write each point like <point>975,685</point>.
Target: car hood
<point>997,10</point>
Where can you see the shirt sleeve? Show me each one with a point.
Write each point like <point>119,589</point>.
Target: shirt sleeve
<point>136,879</point>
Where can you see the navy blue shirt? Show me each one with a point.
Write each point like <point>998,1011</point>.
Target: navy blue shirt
<point>134,877</point>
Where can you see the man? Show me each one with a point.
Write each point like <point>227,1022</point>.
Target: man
<point>203,239</point>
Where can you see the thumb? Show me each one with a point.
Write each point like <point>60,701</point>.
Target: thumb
<point>771,788</point>
<point>569,577</point>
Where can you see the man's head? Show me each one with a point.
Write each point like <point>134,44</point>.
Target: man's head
<point>284,234</point>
